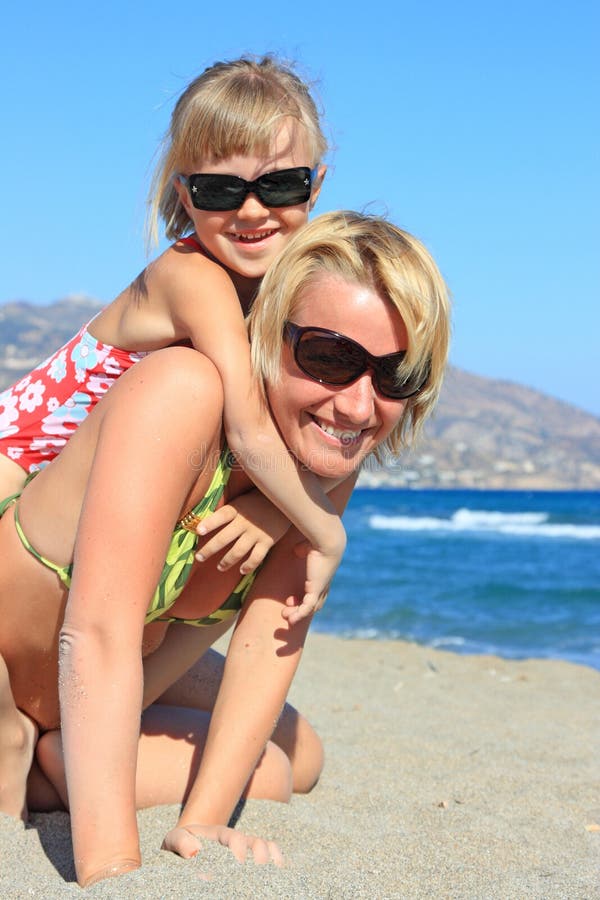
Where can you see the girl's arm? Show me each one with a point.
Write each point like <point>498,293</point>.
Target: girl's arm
<point>207,310</point>
<point>248,526</point>
<point>261,662</point>
<point>139,479</point>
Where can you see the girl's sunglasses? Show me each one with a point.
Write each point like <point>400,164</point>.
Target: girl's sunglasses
<point>285,187</point>
<point>331,358</point>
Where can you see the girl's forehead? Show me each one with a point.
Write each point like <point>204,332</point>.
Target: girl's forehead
<point>286,143</point>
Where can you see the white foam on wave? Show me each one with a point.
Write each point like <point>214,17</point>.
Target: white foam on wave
<point>481,518</point>
<point>450,641</point>
<point>519,524</point>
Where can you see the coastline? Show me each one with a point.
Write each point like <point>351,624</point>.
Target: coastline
<point>446,776</point>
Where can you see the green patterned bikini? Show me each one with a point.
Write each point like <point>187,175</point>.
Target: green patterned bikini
<point>179,561</point>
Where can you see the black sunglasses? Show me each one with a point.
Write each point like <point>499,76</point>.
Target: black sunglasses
<point>332,358</point>
<point>285,187</point>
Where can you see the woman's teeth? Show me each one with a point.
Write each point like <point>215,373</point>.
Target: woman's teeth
<point>343,435</point>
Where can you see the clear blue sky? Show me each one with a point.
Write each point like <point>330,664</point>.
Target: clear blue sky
<point>473,125</point>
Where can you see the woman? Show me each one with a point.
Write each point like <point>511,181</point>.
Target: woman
<point>349,336</point>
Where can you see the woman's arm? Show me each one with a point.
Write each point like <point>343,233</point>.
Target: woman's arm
<point>151,422</point>
<point>262,659</point>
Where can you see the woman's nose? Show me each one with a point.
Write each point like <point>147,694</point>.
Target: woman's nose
<point>356,401</point>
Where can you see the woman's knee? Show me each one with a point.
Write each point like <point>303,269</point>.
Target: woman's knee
<point>49,756</point>
<point>303,747</point>
<point>272,778</point>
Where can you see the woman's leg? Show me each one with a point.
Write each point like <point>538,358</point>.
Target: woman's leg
<point>198,689</point>
<point>18,734</point>
<point>170,748</point>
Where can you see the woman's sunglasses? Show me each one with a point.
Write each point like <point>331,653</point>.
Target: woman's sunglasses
<point>332,358</point>
<point>285,187</point>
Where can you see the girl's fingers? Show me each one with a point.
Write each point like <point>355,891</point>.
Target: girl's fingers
<point>217,519</point>
<point>216,544</point>
<point>259,551</point>
<point>235,554</point>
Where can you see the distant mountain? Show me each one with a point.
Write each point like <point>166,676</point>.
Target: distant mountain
<point>29,333</point>
<point>494,434</point>
<point>485,433</point>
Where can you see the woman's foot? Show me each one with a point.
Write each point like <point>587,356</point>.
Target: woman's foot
<point>18,736</point>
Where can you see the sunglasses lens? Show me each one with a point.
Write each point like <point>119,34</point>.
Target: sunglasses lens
<point>287,187</point>
<point>329,359</point>
<point>216,192</point>
<point>334,360</point>
<point>388,383</point>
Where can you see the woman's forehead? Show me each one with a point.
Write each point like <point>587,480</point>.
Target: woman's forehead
<point>353,309</point>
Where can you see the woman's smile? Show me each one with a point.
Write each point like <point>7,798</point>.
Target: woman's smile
<point>332,428</point>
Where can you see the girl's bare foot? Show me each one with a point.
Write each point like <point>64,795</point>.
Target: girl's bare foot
<point>18,736</point>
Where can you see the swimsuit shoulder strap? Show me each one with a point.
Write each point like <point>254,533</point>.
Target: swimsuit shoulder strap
<point>190,241</point>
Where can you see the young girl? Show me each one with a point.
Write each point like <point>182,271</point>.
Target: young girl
<point>239,173</point>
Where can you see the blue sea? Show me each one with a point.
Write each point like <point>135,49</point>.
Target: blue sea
<point>512,573</point>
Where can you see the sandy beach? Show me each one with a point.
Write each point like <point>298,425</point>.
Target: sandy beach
<point>446,777</point>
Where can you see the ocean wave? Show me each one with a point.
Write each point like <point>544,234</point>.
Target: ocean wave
<point>519,524</point>
<point>442,643</point>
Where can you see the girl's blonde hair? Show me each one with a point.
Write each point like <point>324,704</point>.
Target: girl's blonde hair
<point>369,251</point>
<point>232,108</point>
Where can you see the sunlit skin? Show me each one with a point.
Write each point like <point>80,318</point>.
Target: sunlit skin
<point>186,387</point>
<point>247,240</point>
<point>117,513</point>
<point>186,296</point>
<point>301,406</point>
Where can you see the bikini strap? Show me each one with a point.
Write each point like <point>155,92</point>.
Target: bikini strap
<point>190,241</point>
<point>63,572</point>
<point>8,501</point>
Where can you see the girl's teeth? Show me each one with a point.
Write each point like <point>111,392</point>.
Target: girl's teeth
<point>248,237</point>
<point>344,436</point>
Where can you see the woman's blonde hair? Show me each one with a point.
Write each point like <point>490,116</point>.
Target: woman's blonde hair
<point>232,108</point>
<point>369,251</point>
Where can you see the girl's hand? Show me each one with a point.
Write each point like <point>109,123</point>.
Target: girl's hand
<point>320,569</point>
<point>250,524</point>
<point>186,840</point>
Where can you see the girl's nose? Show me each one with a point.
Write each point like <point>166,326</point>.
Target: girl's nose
<point>356,401</point>
<point>252,208</point>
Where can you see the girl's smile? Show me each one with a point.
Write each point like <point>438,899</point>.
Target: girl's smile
<point>246,240</point>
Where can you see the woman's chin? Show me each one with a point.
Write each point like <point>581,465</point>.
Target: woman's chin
<point>334,462</point>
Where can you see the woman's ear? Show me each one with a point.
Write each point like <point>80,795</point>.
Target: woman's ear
<point>317,185</point>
